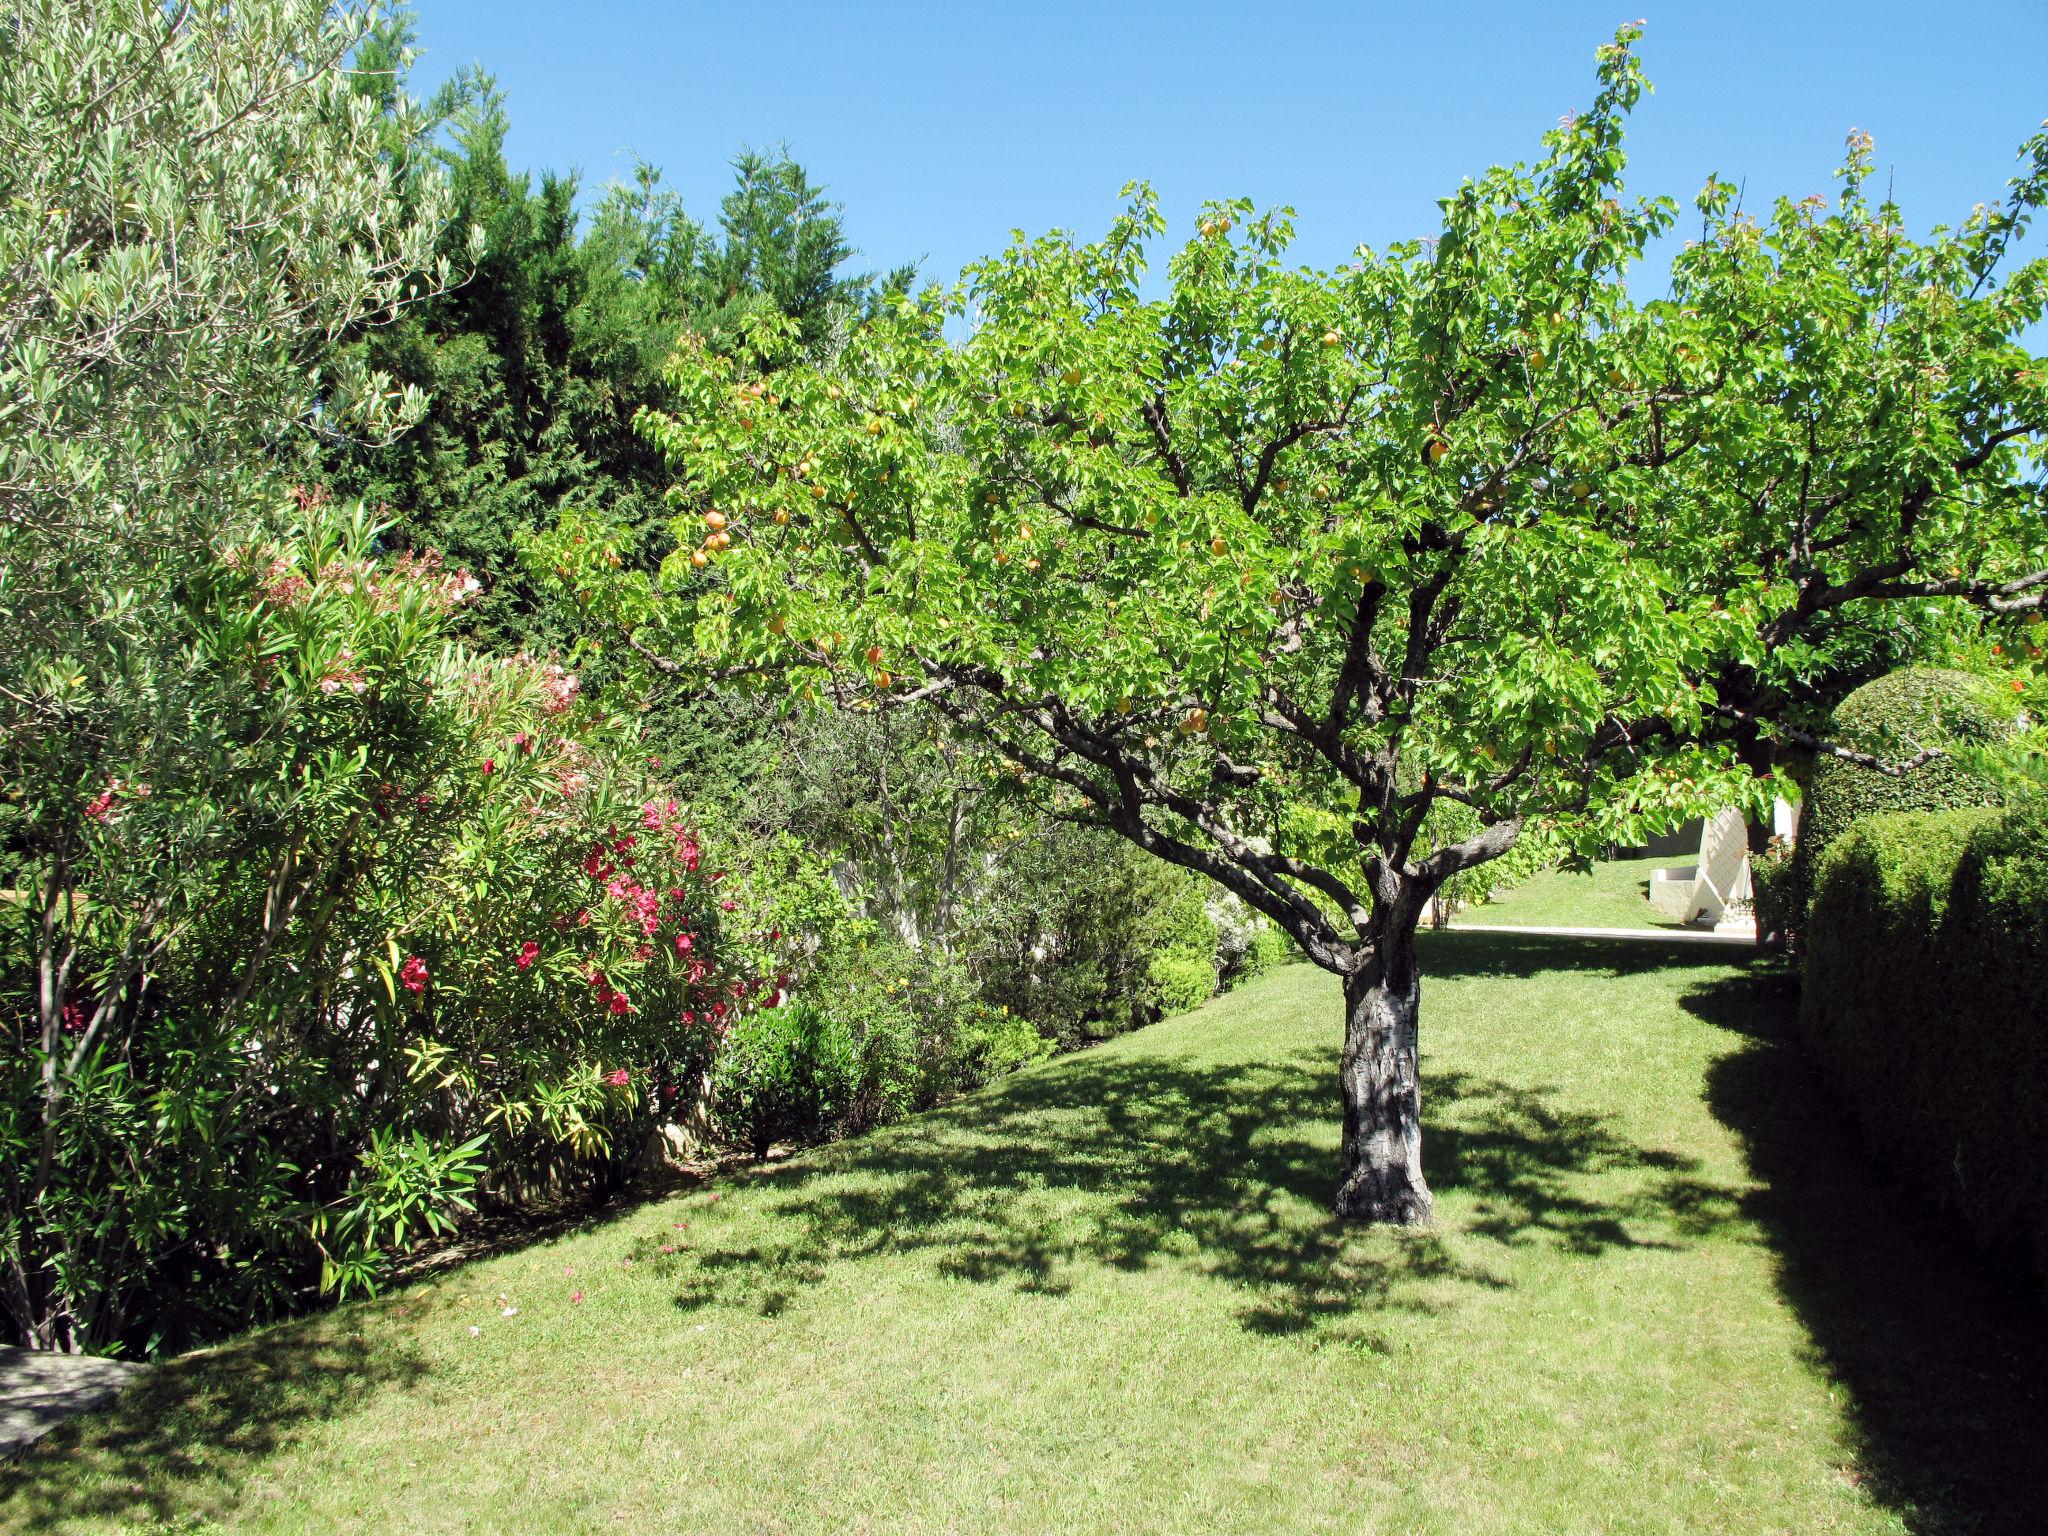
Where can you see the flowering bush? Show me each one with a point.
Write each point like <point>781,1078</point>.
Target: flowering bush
<point>370,924</point>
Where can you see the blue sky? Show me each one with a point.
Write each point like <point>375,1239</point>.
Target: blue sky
<point>943,127</point>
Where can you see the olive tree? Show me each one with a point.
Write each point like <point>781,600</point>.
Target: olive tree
<point>1259,571</point>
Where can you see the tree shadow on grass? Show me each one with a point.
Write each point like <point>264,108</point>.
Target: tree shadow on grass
<point>175,1450</point>
<point>1103,1160</point>
<point>1944,1365</point>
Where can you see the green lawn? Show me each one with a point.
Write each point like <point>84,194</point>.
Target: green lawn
<point>1104,1296</point>
<point>1610,895</point>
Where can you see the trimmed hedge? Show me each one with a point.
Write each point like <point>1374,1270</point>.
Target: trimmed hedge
<point>1925,1001</point>
<point>1892,718</point>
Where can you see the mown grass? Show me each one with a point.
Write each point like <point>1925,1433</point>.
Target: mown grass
<point>1662,1295</point>
<point>1610,895</point>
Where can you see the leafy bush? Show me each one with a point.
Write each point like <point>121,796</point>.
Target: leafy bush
<point>786,1073</point>
<point>1088,937</point>
<point>991,1043</point>
<point>1893,719</point>
<point>1269,949</point>
<point>370,926</point>
<point>1925,1000</point>
<point>1771,893</point>
<point>877,1031</point>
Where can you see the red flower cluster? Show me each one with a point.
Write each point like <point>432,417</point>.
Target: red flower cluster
<point>413,974</point>
<point>528,953</point>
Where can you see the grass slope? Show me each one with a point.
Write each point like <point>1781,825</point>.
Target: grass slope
<point>1104,1296</point>
<point>1610,895</point>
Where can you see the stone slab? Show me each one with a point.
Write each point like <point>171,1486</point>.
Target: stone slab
<point>40,1390</point>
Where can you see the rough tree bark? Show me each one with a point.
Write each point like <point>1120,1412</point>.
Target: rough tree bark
<point>1379,1076</point>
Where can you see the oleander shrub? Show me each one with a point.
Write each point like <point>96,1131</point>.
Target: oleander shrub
<point>367,927</point>
<point>1894,718</point>
<point>1925,1001</point>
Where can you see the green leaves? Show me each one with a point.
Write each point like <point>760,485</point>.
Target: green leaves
<point>1284,549</point>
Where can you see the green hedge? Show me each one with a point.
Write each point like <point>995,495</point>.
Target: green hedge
<point>1925,1000</point>
<point>1893,718</point>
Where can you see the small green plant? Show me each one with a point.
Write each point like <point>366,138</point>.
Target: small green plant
<point>785,1074</point>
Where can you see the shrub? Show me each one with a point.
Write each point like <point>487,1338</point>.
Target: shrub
<point>1893,718</point>
<point>1925,1001</point>
<point>1771,893</point>
<point>878,1030</point>
<point>991,1043</point>
<point>786,1073</point>
<point>1270,949</point>
<point>1088,937</point>
<point>371,926</point>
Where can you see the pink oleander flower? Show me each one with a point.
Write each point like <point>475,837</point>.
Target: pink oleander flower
<point>528,953</point>
<point>728,905</point>
<point>102,804</point>
<point>618,1078</point>
<point>413,974</point>
<point>619,1004</point>
<point>557,689</point>
<point>490,765</point>
<point>522,743</point>
<point>684,941</point>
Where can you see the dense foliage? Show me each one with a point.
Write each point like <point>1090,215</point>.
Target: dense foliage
<point>392,925</point>
<point>1911,733</point>
<point>333,899</point>
<point>1925,999</point>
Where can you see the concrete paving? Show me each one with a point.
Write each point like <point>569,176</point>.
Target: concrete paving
<point>1740,938</point>
<point>39,1391</point>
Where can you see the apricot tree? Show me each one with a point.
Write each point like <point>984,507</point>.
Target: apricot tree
<point>1258,572</point>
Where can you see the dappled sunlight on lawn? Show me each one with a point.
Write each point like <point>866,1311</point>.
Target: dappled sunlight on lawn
<point>1225,1170</point>
<point>1657,1263</point>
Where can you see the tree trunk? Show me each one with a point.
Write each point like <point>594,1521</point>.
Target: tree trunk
<point>1382,1090</point>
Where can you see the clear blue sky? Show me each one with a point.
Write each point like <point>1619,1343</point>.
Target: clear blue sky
<point>943,126</point>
